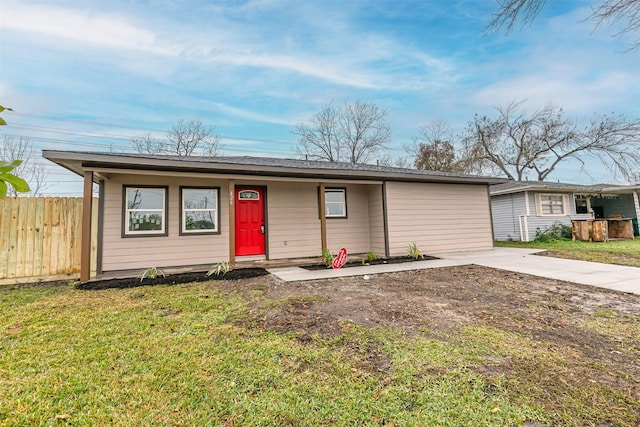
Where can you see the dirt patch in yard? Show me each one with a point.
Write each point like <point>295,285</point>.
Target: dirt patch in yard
<point>593,331</point>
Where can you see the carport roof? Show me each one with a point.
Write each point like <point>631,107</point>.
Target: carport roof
<point>558,187</point>
<point>78,161</point>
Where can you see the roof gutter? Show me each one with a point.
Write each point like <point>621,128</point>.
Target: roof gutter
<point>77,161</point>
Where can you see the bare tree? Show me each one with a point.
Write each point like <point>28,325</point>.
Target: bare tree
<point>623,12</point>
<point>148,144</point>
<point>32,170</point>
<point>353,132</point>
<point>319,140</point>
<point>515,144</point>
<point>185,138</point>
<point>364,131</point>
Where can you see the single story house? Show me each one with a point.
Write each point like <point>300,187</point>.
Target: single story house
<point>169,211</point>
<point>519,209</point>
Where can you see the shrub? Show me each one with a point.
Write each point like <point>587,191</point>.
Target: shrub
<point>414,252</point>
<point>372,256</point>
<point>557,231</point>
<point>151,273</point>
<point>327,257</point>
<point>220,269</point>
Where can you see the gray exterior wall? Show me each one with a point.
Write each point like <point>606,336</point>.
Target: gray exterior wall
<point>506,210</point>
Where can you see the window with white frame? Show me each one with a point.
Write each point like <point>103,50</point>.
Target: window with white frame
<point>145,211</point>
<point>583,205</point>
<point>199,210</point>
<point>335,202</point>
<point>551,204</point>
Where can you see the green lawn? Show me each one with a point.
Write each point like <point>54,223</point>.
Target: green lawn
<point>623,252</point>
<point>187,355</point>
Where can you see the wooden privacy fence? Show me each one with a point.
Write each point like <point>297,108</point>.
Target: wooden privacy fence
<point>40,238</point>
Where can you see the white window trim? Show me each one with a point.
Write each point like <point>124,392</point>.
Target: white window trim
<point>565,204</point>
<point>183,225</point>
<point>128,211</point>
<point>587,198</point>
<point>344,194</point>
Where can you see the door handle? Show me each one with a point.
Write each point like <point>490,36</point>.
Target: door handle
<point>262,228</point>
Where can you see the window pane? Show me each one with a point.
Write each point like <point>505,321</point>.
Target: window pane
<point>145,198</point>
<point>199,198</point>
<point>249,195</point>
<point>552,204</point>
<point>200,220</point>
<point>334,196</point>
<point>335,209</point>
<point>145,221</point>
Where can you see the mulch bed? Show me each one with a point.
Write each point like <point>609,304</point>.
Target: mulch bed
<point>392,260</point>
<point>171,279</point>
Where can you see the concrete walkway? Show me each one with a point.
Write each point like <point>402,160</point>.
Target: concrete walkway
<point>616,277</point>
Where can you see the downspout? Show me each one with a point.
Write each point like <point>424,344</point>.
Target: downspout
<point>526,217</point>
<point>636,204</point>
<point>523,224</point>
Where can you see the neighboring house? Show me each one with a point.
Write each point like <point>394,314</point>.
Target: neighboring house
<point>519,209</point>
<point>168,211</point>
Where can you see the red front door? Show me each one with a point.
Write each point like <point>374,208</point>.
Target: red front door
<point>249,221</point>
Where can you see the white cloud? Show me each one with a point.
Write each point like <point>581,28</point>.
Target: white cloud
<point>570,91</point>
<point>82,27</point>
<point>346,57</point>
<point>246,114</point>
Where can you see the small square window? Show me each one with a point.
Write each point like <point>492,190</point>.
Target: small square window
<point>335,202</point>
<point>199,210</point>
<point>145,211</point>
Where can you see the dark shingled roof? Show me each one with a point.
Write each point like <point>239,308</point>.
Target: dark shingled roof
<point>517,186</point>
<point>76,160</point>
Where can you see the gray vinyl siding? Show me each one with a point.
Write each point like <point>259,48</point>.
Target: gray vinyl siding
<point>506,210</point>
<point>539,222</point>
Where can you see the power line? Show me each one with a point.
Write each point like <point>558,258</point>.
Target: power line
<point>124,137</point>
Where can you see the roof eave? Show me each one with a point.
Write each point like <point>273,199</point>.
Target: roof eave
<point>78,161</point>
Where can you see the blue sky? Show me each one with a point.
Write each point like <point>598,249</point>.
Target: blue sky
<point>90,75</point>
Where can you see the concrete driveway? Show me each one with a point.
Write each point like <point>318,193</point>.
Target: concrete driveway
<point>616,277</point>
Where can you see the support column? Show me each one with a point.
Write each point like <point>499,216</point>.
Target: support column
<point>323,218</point>
<point>232,223</point>
<point>85,247</point>
<point>385,220</point>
